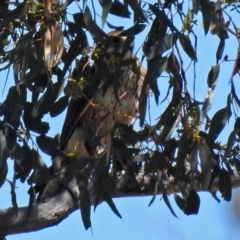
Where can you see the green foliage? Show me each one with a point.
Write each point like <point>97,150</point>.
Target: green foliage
<point>42,44</point>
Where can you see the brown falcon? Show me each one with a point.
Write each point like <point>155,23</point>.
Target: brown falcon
<point>112,88</point>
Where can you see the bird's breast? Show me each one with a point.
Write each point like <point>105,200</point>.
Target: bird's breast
<point>115,105</point>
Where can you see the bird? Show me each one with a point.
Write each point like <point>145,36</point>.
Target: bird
<point>105,88</point>
<point>111,97</point>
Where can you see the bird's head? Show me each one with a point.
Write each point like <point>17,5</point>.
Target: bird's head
<point>114,44</point>
<point>120,44</point>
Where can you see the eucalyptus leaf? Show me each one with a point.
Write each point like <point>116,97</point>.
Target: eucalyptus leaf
<point>187,47</point>
<point>119,9</point>
<point>163,45</point>
<point>48,98</point>
<point>109,201</point>
<point>106,6</point>
<point>3,155</point>
<point>155,193</point>
<point>41,172</point>
<point>163,17</point>
<point>11,108</point>
<point>220,50</point>
<point>212,76</point>
<point>156,68</point>
<point>225,185</point>
<point>85,208</point>
<point>180,202</point>
<point>206,14</point>
<point>231,141</point>
<point>166,200</point>
<point>101,166</point>
<point>93,28</point>
<point>49,146</point>
<point>218,122</point>
<point>193,203</point>
<point>59,106</point>
<point>158,161</point>
<point>139,15</point>
<point>142,107</point>
<point>32,206</point>
<point>181,156</point>
<point>207,163</point>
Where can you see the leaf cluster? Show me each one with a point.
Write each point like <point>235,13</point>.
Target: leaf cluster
<point>42,46</point>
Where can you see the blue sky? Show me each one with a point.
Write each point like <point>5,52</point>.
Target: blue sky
<point>214,221</point>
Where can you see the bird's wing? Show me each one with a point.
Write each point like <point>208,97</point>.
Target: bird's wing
<point>73,119</point>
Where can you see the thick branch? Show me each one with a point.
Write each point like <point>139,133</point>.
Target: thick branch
<point>47,214</point>
<point>63,203</point>
<point>43,215</point>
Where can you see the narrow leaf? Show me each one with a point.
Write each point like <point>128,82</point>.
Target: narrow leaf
<point>11,108</point>
<point>134,30</point>
<point>138,11</point>
<point>163,45</point>
<point>236,67</point>
<point>218,122</point>
<point>111,204</point>
<point>187,47</point>
<point>163,17</point>
<point>206,14</point>
<point>166,200</point>
<point>220,50</point>
<point>237,125</point>
<point>32,207</point>
<point>44,104</point>
<point>120,9</point>
<point>193,159</point>
<point>93,28</point>
<point>225,185</point>
<point>106,6</point>
<point>127,133</point>
<point>180,202</point>
<point>212,76</point>
<point>155,193</point>
<point>196,4</point>
<point>231,141</point>
<point>181,156</point>
<point>234,95</point>
<point>156,68</point>
<point>207,163</point>
<point>142,107</point>
<point>41,172</point>
<point>193,203</point>
<point>3,156</point>
<point>102,164</point>
<point>49,146</point>
<point>14,197</point>
<point>59,106</point>
<point>85,208</point>
<point>158,161</point>
<point>24,158</point>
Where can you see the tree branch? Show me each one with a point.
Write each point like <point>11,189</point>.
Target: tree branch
<point>64,202</point>
<point>42,216</point>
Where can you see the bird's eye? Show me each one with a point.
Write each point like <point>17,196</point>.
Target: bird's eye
<point>116,40</point>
